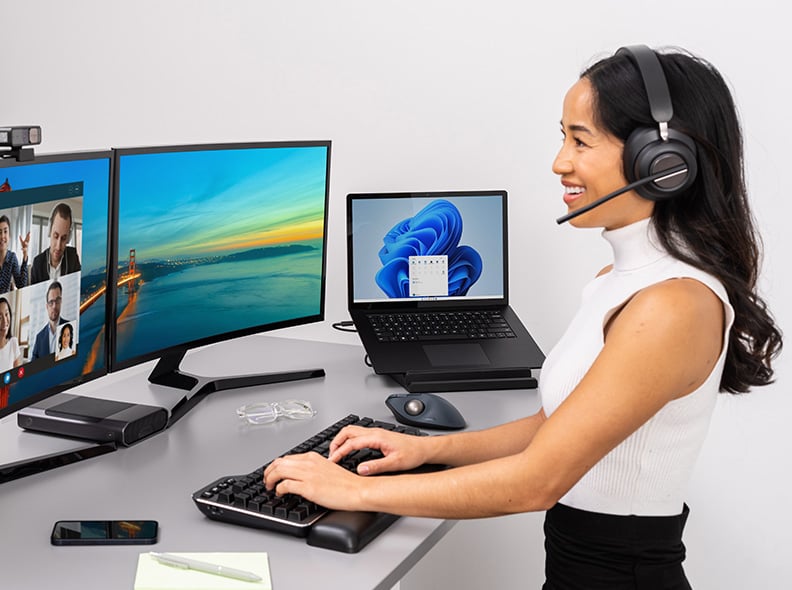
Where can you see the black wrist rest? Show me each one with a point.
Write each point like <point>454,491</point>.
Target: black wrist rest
<point>348,532</point>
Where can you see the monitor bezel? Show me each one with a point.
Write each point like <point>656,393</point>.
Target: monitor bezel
<point>57,157</point>
<point>184,347</point>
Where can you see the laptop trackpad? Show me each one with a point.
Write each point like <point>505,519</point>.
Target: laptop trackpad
<point>455,355</point>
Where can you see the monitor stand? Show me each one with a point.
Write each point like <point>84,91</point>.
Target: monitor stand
<point>25,467</point>
<point>167,373</point>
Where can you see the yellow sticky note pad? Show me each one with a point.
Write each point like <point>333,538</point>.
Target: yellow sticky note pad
<point>153,575</point>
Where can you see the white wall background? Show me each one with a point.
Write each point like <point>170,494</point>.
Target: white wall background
<point>442,94</point>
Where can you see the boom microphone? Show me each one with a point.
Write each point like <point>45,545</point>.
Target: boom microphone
<point>662,175</point>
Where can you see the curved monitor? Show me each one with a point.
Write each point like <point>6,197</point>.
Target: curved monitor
<point>214,242</point>
<point>53,274</point>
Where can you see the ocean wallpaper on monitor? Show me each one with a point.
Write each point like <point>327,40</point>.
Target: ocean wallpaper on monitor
<point>217,241</point>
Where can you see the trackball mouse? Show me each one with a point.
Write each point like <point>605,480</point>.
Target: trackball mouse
<point>425,410</point>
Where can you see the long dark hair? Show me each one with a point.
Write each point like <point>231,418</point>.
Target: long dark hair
<point>710,225</point>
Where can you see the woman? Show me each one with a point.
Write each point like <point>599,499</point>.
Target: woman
<point>65,342</point>
<point>9,264</point>
<point>10,353</point>
<point>629,389</point>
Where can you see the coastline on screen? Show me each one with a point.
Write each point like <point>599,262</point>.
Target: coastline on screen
<point>215,242</point>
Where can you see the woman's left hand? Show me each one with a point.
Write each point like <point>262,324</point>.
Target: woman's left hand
<point>315,478</point>
<point>24,243</point>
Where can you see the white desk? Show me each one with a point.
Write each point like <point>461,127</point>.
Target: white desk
<point>154,478</point>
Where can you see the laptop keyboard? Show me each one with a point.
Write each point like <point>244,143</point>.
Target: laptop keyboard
<point>440,325</point>
<point>243,499</point>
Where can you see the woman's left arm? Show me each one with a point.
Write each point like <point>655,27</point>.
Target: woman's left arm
<point>660,346</point>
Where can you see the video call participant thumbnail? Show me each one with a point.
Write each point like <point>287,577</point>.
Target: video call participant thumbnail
<point>58,259</point>
<point>47,338</point>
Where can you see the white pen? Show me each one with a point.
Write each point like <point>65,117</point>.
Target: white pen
<point>202,566</point>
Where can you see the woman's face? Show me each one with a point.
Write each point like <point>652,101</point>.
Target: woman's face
<point>65,337</point>
<point>5,318</point>
<point>590,166</point>
<point>4,233</point>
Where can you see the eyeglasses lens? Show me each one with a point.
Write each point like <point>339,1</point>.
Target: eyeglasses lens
<point>263,413</point>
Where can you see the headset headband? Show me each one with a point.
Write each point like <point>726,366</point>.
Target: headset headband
<point>655,83</point>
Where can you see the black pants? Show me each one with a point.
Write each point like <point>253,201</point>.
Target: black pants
<point>592,551</point>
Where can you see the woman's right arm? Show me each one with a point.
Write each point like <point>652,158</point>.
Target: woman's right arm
<point>402,452</point>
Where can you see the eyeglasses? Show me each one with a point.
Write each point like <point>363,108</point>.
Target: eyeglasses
<point>55,301</point>
<point>266,412</point>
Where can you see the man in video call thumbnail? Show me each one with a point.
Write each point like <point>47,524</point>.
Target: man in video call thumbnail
<point>47,338</point>
<point>58,259</point>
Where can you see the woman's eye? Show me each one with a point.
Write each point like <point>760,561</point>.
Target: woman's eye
<point>577,142</point>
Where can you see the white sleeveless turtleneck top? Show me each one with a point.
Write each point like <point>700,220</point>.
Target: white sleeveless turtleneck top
<point>647,473</point>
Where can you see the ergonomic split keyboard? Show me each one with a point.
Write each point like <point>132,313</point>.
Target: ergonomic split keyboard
<point>440,325</point>
<point>244,500</point>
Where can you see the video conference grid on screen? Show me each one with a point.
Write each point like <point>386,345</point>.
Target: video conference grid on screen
<point>53,244</point>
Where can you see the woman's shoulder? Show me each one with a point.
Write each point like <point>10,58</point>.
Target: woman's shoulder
<point>679,295</point>
<point>11,344</point>
<point>678,306</point>
<point>678,323</point>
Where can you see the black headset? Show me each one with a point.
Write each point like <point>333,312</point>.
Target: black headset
<point>650,150</point>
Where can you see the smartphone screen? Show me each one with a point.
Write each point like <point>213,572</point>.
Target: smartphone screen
<point>105,532</point>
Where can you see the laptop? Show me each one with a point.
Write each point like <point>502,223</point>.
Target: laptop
<point>416,256</point>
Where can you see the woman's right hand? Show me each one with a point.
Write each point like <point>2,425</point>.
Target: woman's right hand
<point>401,451</point>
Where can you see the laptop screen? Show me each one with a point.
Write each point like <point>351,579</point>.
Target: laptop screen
<point>427,247</point>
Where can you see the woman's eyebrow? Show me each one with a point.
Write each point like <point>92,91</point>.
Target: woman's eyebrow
<point>580,129</point>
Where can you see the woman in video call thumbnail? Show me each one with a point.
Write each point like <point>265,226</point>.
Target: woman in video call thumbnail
<point>10,267</point>
<point>10,353</point>
<point>65,342</point>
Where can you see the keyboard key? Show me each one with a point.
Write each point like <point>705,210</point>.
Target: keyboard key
<point>433,326</point>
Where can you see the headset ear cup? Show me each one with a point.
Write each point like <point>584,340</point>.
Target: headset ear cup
<point>645,153</point>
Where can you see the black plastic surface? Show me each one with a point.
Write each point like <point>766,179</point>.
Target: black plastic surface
<point>348,532</point>
<point>433,411</point>
<point>27,467</point>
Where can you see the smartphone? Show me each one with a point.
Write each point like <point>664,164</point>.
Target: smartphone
<point>105,532</point>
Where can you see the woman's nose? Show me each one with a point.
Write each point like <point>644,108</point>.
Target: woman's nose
<point>562,164</point>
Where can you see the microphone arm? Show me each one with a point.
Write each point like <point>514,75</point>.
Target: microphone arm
<point>667,173</point>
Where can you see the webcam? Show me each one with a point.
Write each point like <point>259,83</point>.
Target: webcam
<point>17,137</point>
<point>20,135</point>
